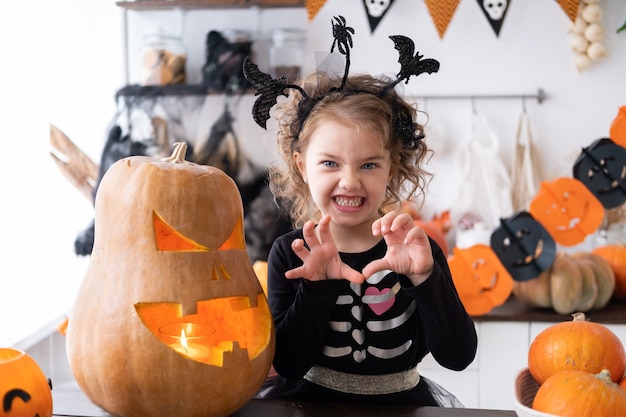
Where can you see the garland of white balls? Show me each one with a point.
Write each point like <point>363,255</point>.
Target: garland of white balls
<point>588,35</point>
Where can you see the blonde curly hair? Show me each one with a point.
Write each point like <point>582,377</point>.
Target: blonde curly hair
<point>361,105</point>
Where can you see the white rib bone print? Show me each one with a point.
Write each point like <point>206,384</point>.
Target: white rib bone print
<point>379,301</point>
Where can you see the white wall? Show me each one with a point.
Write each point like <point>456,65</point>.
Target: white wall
<point>67,61</point>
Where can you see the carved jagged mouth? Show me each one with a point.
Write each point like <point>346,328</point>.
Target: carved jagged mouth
<point>349,202</point>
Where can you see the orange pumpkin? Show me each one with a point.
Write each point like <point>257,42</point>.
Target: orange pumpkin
<point>170,318</point>
<point>24,389</point>
<point>579,345</point>
<point>615,254</point>
<point>581,394</point>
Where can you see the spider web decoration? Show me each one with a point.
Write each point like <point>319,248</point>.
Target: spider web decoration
<point>376,10</point>
<point>570,7</point>
<point>313,6</point>
<point>495,11</point>
<point>441,12</point>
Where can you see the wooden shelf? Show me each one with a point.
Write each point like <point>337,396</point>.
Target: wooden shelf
<point>516,310</point>
<point>206,4</point>
<point>135,90</point>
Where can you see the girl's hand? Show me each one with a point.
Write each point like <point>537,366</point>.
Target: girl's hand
<point>321,261</point>
<point>408,248</point>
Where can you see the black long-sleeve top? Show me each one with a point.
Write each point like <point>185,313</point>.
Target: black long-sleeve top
<point>383,326</point>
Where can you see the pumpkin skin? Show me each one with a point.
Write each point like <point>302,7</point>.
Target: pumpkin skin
<point>615,254</point>
<point>24,389</point>
<point>580,282</point>
<point>580,394</point>
<point>578,345</point>
<point>169,249</point>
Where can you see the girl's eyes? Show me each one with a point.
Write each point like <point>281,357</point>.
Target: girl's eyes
<point>366,166</point>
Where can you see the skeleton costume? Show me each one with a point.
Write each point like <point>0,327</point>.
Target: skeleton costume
<point>337,341</point>
<point>343,342</point>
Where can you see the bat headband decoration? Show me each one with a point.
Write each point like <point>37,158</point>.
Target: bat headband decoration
<point>411,63</point>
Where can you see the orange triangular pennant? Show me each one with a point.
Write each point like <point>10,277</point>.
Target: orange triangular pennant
<point>313,6</point>
<point>570,7</point>
<point>441,12</point>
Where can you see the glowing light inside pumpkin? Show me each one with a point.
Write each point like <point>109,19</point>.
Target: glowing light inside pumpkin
<point>193,343</point>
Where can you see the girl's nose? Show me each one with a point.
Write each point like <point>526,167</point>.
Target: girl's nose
<point>350,181</point>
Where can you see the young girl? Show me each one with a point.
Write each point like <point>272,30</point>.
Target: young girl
<point>359,294</point>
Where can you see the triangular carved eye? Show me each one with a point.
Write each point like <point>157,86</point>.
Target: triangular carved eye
<point>170,240</point>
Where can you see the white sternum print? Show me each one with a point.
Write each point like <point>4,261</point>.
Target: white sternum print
<point>380,302</point>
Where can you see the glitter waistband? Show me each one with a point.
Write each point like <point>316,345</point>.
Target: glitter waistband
<point>363,384</point>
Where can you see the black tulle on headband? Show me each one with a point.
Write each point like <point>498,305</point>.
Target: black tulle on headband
<point>411,63</point>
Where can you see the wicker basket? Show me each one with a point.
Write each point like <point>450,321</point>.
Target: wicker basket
<point>524,393</point>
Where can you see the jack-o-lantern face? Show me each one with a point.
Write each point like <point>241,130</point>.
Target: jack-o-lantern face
<point>602,168</point>
<point>219,325</point>
<point>24,389</point>
<point>170,302</point>
<point>523,245</point>
<point>480,279</point>
<point>567,209</point>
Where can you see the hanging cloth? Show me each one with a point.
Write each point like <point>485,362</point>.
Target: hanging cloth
<point>484,193</point>
<point>525,171</point>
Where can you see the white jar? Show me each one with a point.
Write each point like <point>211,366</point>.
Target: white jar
<point>286,54</point>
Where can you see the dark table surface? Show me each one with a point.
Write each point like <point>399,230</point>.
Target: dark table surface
<point>72,402</point>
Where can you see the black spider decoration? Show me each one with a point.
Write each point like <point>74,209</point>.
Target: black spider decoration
<point>342,35</point>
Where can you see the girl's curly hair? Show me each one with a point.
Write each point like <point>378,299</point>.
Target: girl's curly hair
<point>362,106</point>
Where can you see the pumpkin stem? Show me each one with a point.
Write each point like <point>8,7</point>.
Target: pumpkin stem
<point>178,155</point>
<point>579,316</point>
<point>605,376</point>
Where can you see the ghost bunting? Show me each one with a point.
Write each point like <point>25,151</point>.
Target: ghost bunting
<point>495,11</point>
<point>376,10</point>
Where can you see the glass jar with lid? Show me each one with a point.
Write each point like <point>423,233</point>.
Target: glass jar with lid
<point>163,59</point>
<point>286,53</point>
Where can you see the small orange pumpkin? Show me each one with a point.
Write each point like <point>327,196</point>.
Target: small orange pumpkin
<point>615,254</point>
<point>24,389</point>
<point>579,345</point>
<point>578,394</point>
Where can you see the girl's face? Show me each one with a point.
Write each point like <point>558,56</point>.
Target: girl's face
<point>347,172</point>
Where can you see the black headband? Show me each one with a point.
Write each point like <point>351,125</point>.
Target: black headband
<point>411,63</point>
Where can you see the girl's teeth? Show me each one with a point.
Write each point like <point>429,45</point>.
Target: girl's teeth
<point>351,202</point>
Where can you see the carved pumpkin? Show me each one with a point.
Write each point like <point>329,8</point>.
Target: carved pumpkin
<point>170,318</point>
<point>24,389</point>
<point>578,345</point>
<point>615,254</point>
<point>579,282</point>
<point>578,393</point>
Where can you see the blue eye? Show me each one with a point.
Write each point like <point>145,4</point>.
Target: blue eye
<point>329,164</point>
<point>369,165</point>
